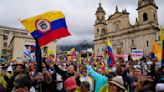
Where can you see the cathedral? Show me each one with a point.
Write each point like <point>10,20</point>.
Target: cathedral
<point>123,35</point>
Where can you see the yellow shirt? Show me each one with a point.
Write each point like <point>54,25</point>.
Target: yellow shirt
<point>3,82</point>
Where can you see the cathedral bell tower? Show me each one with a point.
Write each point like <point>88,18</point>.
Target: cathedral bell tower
<point>100,23</point>
<point>147,12</point>
<point>100,30</point>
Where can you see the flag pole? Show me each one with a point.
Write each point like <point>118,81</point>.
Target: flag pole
<point>38,55</point>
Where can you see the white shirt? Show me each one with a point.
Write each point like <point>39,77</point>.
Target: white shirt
<point>89,80</point>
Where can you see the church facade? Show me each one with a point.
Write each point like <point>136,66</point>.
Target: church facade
<point>124,36</point>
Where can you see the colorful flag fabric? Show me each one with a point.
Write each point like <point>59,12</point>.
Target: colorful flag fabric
<point>162,45</point>
<point>161,36</point>
<point>162,61</point>
<point>50,55</point>
<point>71,54</point>
<point>27,54</point>
<point>157,51</point>
<point>79,59</point>
<point>50,52</point>
<point>33,48</point>
<point>110,59</point>
<point>47,27</point>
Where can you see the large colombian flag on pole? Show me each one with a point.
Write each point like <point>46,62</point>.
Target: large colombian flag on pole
<point>110,59</point>
<point>47,27</point>
<point>162,43</point>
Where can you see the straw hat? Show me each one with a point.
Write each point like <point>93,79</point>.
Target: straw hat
<point>13,60</point>
<point>118,81</point>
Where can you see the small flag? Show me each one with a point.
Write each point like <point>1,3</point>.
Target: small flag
<point>110,59</point>
<point>71,54</point>
<point>79,59</point>
<point>27,54</point>
<point>157,51</point>
<point>50,55</point>
<point>47,27</point>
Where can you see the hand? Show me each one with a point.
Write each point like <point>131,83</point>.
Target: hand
<point>54,62</point>
<point>149,78</point>
<point>142,78</point>
<point>43,65</point>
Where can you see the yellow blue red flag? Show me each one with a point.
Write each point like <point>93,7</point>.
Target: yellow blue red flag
<point>47,27</point>
<point>71,54</point>
<point>162,43</point>
<point>110,59</point>
<point>157,51</point>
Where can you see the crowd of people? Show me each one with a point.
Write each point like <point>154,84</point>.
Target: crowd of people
<point>61,75</point>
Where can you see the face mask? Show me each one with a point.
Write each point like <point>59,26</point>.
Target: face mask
<point>32,73</point>
<point>114,69</point>
<point>59,66</point>
<point>64,64</point>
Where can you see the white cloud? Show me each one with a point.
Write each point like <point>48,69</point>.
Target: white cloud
<point>80,14</point>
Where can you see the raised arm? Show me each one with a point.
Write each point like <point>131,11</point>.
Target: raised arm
<point>60,71</point>
<point>94,74</point>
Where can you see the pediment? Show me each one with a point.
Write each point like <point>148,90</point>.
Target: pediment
<point>117,14</point>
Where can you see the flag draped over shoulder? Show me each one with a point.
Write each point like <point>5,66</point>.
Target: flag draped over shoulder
<point>110,59</point>
<point>157,51</point>
<point>47,27</point>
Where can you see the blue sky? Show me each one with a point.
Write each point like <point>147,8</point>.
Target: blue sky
<point>80,14</point>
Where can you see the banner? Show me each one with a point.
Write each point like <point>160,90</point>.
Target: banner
<point>137,54</point>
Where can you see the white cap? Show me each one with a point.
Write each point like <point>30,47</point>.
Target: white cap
<point>10,69</point>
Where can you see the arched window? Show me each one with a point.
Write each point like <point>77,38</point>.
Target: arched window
<point>103,31</point>
<point>147,43</point>
<point>116,25</point>
<point>103,17</point>
<point>132,42</point>
<point>145,17</point>
<point>155,18</point>
<point>97,31</point>
<point>98,17</point>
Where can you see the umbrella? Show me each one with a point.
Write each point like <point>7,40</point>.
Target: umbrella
<point>2,60</point>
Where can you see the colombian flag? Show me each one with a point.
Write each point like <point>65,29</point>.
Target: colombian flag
<point>71,54</point>
<point>157,51</point>
<point>110,59</point>
<point>47,27</point>
<point>162,43</point>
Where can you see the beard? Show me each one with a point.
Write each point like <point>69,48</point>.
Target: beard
<point>71,74</point>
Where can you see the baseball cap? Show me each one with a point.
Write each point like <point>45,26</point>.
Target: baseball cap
<point>70,83</point>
